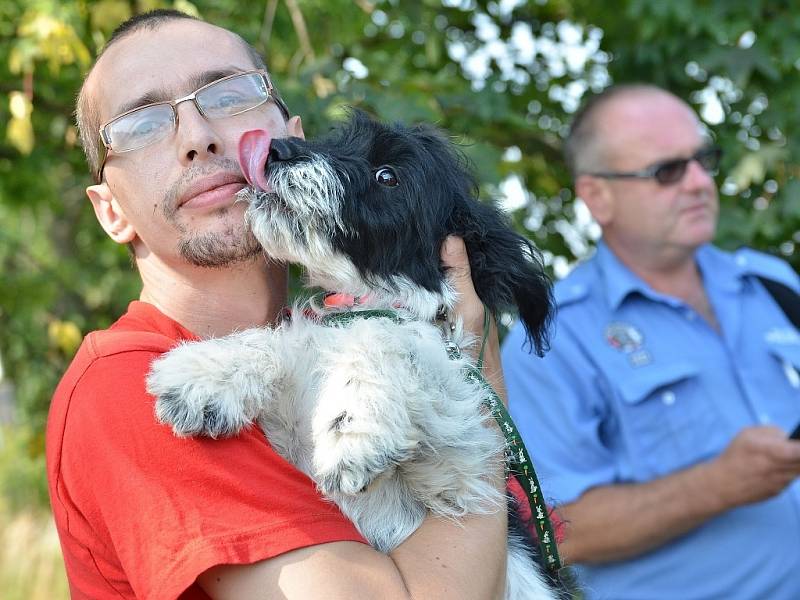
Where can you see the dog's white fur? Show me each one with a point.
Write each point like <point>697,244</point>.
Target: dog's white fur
<point>373,410</point>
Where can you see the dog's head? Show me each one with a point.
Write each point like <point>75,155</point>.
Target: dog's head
<point>366,208</point>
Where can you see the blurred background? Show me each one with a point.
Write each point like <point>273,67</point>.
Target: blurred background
<point>503,77</point>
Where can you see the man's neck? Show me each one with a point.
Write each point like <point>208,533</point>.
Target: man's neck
<point>212,302</point>
<point>672,272</point>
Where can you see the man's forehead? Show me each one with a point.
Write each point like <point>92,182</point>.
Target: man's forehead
<point>166,62</point>
<point>651,123</point>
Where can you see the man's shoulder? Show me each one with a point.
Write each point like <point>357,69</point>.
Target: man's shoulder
<point>578,285</point>
<point>142,328</point>
<point>138,330</point>
<point>767,266</point>
<point>114,358</point>
<point>107,342</point>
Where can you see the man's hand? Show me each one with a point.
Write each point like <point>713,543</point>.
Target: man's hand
<point>758,464</point>
<point>471,310</point>
<point>617,522</point>
<point>469,306</point>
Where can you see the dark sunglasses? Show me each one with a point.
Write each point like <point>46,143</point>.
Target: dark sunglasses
<point>670,171</point>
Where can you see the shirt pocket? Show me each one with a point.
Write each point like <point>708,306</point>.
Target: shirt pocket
<point>668,420</point>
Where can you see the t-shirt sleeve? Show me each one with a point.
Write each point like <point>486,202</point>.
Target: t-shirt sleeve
<point>171,508</point>
<point>557,407</point>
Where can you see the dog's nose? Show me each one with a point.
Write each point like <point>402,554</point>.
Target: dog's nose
<point>283,149</point>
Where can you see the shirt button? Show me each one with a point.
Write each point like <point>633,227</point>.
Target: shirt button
<point>668,398</point>
<point>690,314</point>
<point>764,419</point>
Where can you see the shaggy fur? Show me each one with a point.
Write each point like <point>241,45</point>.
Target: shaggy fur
<point>372,409</point>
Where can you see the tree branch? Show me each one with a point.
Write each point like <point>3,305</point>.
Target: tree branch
<point>266,25</point>
<point>300,27</point>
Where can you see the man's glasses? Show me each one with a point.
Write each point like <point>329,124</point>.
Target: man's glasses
<point>670,171</point>
<point>146,125</point>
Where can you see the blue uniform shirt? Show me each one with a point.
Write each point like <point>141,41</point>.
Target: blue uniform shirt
<point>637,385</point>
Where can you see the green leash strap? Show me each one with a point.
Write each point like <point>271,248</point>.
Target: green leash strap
<point>518,460</point>
<point>519,464</point>
<point>345,318</point>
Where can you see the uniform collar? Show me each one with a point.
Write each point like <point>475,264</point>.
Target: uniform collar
<point>621,282</point>
<point>720,269</point>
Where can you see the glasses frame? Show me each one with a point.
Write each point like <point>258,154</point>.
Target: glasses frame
<point>105,140</point>
<point>652,171</point>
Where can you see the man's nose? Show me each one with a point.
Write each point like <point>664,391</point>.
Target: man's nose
<point>197,139</point>
<point>696,177</point>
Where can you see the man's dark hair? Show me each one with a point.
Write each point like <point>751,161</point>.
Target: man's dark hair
<point>582,148</point>
<point>87,113</point>
<point>149,20</point>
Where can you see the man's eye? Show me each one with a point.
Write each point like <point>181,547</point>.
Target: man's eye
<point>386,176</point>
<point>145,127</point>
<point>141,129</point>
<point>229,100</point>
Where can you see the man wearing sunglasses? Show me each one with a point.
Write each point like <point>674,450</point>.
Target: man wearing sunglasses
<point>141,513</point>
<point>659,418</point>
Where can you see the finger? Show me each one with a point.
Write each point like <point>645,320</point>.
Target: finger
<point>471,310</point>
<point>455,259</point>
<point>784,451</point>
<point>468,306</point>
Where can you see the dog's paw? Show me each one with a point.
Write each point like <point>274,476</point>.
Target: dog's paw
<point>194,397</point>
<point>365,422</point>
<point>352,463</point>
<point>190,413</point>
<point>359,435</point>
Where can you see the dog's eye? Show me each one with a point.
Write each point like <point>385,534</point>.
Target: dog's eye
<point>386,176</point>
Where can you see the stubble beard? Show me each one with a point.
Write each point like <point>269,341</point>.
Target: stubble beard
<point>212,249</point>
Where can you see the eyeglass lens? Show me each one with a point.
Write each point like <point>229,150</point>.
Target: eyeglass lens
<point>673,171</point>
<point>149,124</point>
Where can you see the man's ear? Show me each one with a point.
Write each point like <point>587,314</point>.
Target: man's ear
<point>597,196</point>
<point>295,127</point>
<point>110,214</point>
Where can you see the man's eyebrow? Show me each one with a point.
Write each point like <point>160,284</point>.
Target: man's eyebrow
<point>197,81</point>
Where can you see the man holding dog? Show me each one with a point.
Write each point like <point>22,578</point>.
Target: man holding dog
<point>140,512</point>
<point>659,418</point>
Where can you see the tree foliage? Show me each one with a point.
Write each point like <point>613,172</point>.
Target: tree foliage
<point>503,77</point>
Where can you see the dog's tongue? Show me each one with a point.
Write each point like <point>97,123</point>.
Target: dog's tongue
<point>253,153</point>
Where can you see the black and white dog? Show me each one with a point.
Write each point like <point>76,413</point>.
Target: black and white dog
<point>372,409</point>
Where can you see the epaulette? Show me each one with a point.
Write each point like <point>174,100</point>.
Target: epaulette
<point>767,266</point>
<point>568,292</point>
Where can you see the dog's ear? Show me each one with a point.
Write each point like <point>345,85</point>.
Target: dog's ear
<point>507,269</point>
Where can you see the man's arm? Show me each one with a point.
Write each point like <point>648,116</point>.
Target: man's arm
<point>442,559</point>
<point>616,522</point>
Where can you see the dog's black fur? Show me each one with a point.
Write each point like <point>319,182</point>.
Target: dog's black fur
<point>398,230</point>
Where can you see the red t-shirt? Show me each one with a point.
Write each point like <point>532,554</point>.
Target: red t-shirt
<point>140,512</point>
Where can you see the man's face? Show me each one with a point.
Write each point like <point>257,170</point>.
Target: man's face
<point>178,193</point>
<point>639,131</point>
